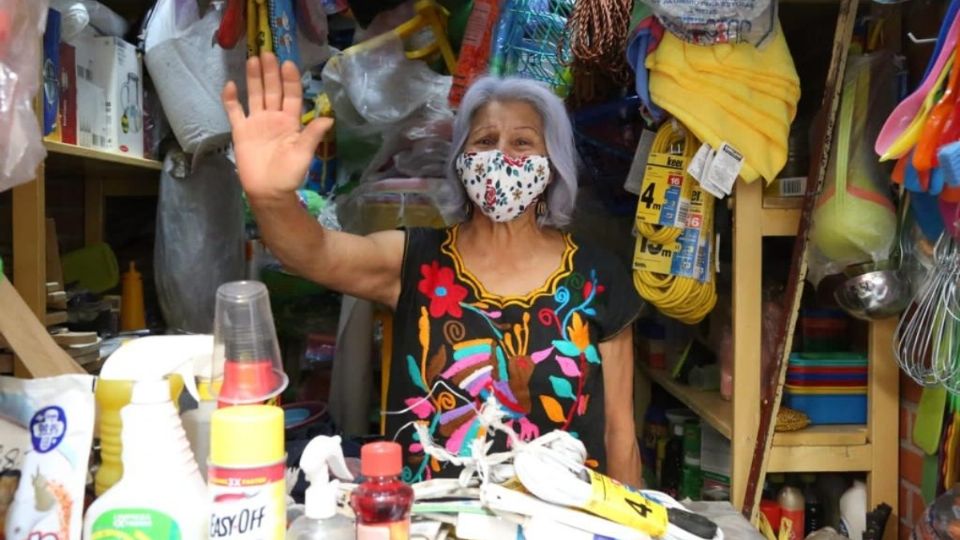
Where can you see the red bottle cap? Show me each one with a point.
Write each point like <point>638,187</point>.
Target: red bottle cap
<point>381,459</point>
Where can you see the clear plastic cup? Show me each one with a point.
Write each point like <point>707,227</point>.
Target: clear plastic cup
<point>247,367</point>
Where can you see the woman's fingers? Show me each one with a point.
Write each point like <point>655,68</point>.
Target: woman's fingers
<point>254,85</point>
<point>311,135</point>
<point>231,104</point>
<point>272,88</point>
<point>292,89</point>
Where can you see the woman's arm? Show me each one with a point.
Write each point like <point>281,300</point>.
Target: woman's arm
<point>273,154</point>
<point>623,452</point>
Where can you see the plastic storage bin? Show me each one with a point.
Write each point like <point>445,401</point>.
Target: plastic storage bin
<point>830,408</point>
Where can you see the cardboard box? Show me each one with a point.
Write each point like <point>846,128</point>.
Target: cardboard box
<point>67,126</point>
<point>91,99</point>
<point>51,71</point>
<point>118,71</point>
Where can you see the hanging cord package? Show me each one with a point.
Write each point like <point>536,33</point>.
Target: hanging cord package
<point>673,267</point>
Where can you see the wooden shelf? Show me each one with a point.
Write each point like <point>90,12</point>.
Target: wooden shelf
<point>840,435</point>
<point>779,221</point>
<point>709,405</point>
<point>60,148</point>
<point>820,459</point>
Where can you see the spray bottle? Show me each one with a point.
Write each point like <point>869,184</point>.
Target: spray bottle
<point>321,520</point>
<point>161,494</point>
<point>139,359</point>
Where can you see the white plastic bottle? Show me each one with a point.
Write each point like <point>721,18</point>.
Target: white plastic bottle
<point>161,493</point>
<point>196,424</point>
<point>321,520</point>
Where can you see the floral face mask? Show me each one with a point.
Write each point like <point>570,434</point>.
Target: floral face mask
<point>503,186</point>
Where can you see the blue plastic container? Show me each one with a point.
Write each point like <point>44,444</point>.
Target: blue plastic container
<point>830,408</point>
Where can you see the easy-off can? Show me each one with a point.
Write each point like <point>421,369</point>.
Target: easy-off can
<point>246,473</point>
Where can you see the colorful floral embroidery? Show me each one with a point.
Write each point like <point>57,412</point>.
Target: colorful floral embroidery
<point>457,371</point>
<point>445,295</point>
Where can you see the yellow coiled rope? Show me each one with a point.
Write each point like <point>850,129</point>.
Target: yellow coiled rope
<point>682,298</point>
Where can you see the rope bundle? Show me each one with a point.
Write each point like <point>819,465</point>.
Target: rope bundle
<point>599,30</point>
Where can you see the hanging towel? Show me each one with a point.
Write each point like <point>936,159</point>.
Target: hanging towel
<point>737,94</point>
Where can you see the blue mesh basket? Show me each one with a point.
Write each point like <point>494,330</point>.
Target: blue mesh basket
<point>529,41</point>
<point>606,137</point>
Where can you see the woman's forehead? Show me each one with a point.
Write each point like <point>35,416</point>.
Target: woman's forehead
<point>508,113</point>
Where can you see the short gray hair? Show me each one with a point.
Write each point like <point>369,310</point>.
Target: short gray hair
<point>561,194</point>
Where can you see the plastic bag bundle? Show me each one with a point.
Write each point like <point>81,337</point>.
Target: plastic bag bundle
<point>199,243</point>
<point>189,73</point>
<point>21,27</point>
<point>710,22</point>
<point>384,104</point>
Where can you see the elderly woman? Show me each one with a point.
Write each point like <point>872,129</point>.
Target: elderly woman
<point>504,305</point>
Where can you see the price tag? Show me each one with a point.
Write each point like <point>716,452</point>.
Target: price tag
<point>724,168</point>
<point>665,196</point>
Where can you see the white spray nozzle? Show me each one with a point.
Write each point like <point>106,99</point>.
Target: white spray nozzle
<point>321,456</point>
<point>153,358</point>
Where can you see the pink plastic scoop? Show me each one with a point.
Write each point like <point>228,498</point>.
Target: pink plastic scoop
<point>907,110</point>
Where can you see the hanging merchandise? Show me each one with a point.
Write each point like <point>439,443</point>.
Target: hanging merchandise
<point>199,239</point>
<point>177,46</point>
<point>644,40</point>
<point>854,220</point>
<point>46,430</point>
<point>387,100</point>
<point>733,93</point>
<point>673,261</point>
<point>712,22</point>
<point>598,30</point>
<point>21,33</point>
<point>232,24</point>
<point>525,43</point>
<point>283,30</point>
<point>475,49</point>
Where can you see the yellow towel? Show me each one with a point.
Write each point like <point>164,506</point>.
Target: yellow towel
<point>737,94</point>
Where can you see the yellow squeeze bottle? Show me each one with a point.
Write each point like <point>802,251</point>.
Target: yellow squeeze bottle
<point>246,474</point>
<point>131,303</point>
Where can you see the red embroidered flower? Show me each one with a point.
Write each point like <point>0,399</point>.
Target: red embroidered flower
<point>490,196</point>
<point>445,295</point>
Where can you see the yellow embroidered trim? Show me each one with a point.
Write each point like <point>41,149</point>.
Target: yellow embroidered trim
<point>566,267</point>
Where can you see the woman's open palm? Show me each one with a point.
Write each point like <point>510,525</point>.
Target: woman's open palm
<point>273,152</point>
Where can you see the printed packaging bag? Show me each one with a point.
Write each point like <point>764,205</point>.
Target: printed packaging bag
<point>46,430</point>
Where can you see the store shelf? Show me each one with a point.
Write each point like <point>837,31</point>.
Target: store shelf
<point>801,459</point>
<point>842,435</point>
<point>59,148</point>
<point>710,406</point>
<point>779,221</point>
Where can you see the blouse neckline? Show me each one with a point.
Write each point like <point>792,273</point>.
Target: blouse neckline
<point>525,301</point>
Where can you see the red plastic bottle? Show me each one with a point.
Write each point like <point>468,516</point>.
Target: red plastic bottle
<point>383,501</point>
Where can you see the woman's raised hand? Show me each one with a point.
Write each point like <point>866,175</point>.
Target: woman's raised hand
<point>273,153</point>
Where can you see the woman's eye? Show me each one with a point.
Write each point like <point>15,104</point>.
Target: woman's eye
<point>486,141</point>
<point>523,142</point>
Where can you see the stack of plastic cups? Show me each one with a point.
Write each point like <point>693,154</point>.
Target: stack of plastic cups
<point>247,457</point>
<point>247,368</point>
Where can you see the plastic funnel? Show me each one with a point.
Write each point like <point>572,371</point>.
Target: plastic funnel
<point>247,367</point>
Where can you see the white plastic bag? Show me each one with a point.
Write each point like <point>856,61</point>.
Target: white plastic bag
<point>199,242</point>
<point>21,149</point>
<point>189,72</point>
<point>46,430</point>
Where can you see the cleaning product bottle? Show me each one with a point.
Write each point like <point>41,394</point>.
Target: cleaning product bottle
<point>812,512</point>
<point>791,513</point>
<point>247,473</point>
<point>671,475</point>
<point>161,493</point>
<point>146,358</point>
<point>321,520</point>
<point>196,424</point>
<point>383,501</point>
<point>853,510</point>
<point>131,303</point>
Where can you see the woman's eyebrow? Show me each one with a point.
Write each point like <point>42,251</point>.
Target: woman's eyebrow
<point>531,128</point>
<point>482,128</point>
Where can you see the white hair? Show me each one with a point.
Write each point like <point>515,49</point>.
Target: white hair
<point>561,194</point>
